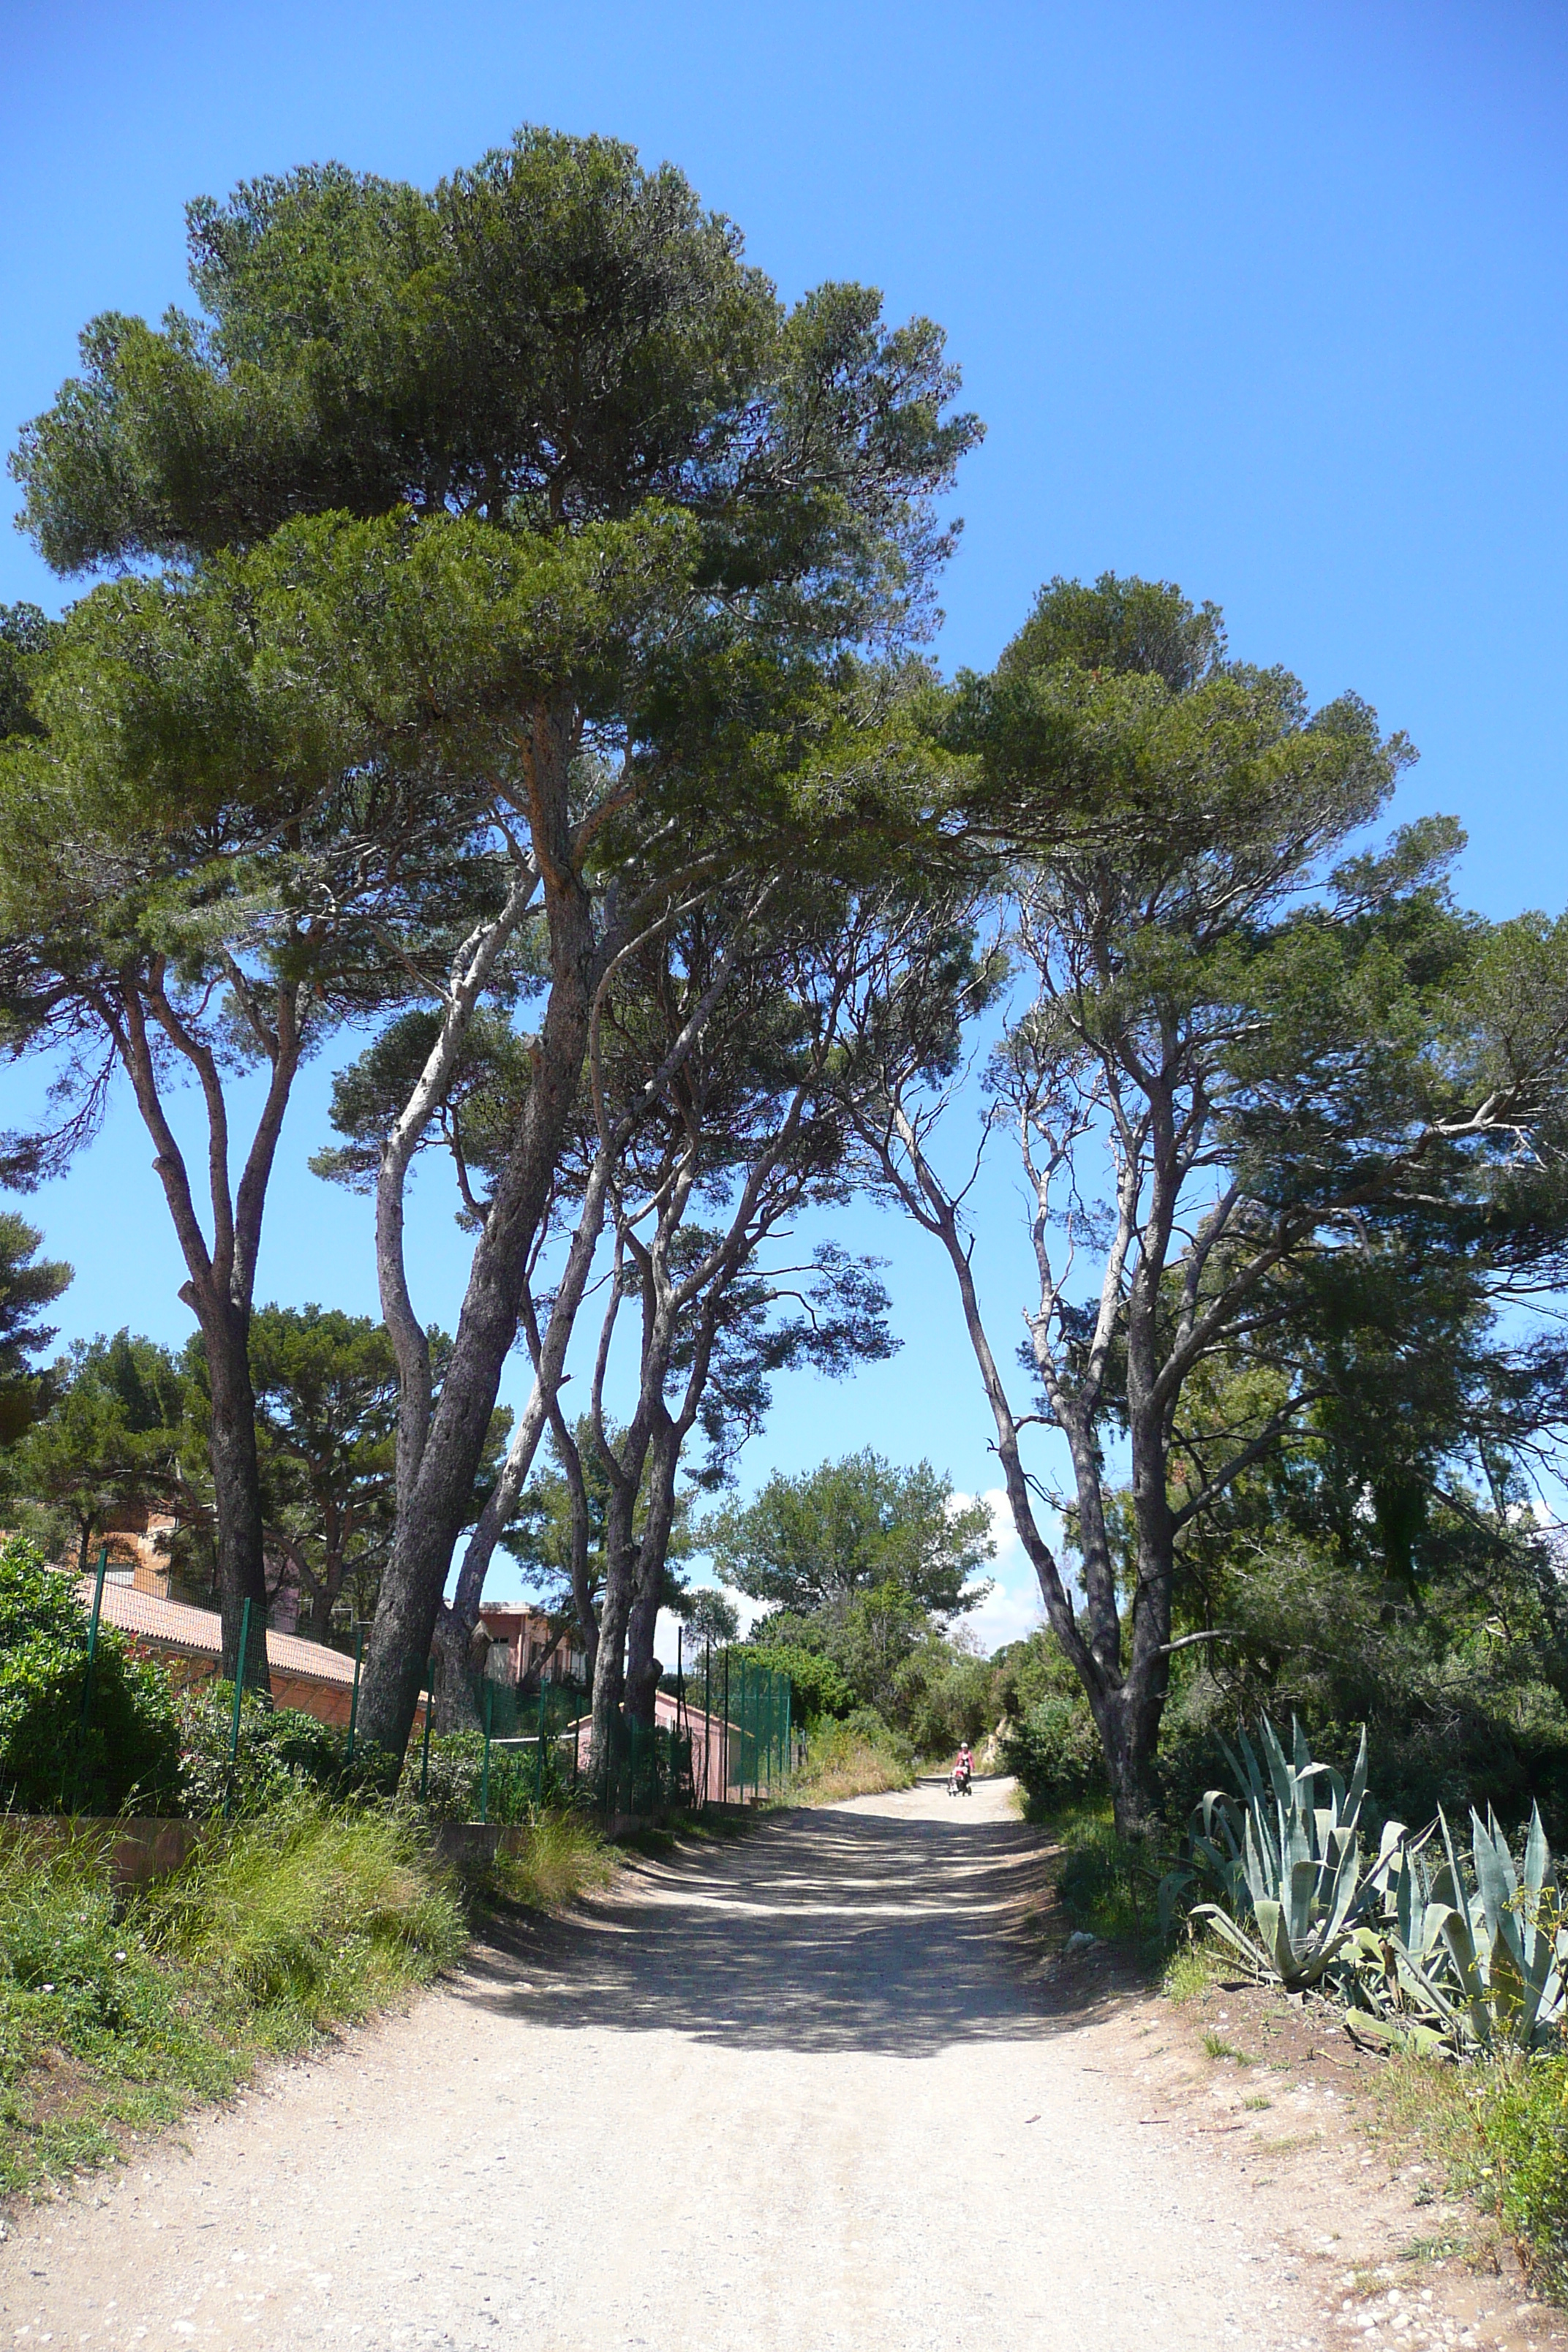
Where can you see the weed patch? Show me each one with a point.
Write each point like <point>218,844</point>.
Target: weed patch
<point>1523,2115</point>
<point>1191,1969</point>
<point>1104,1884</point>
<point>561,1857</point>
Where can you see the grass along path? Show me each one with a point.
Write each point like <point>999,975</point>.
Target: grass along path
<point>117,2015</point>
<point>813,2087</point>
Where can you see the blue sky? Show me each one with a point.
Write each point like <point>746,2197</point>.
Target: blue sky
<point>1265,299</point>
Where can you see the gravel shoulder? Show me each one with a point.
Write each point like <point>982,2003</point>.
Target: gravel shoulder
<point>821,2085</point>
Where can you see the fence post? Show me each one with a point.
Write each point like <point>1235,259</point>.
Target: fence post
<point>726,1726</point>
<point>353,1703</point>
<point>238,1696</point>
<point>92,1632</point>
<point>539,1767</point>
<point>485,1766</point>
<point>430,1713</point>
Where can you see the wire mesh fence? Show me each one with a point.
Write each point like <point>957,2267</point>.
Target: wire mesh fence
<point>741,1737</point>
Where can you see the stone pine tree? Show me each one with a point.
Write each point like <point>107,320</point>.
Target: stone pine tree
<point>1232,1050</point>
<point>227,828</point>
<point>29,1284</point>
<point>566,353</point>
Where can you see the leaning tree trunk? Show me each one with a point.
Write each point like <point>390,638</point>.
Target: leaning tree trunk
<point>452,1651</point>
<point>643,1669</point>
<point>1128,1720</point>
<point>435,1491</point>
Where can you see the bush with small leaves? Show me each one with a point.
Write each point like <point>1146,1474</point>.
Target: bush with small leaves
<point>124,1753</point>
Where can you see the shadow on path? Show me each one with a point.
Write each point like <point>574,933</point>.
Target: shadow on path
<point>817,1931</point>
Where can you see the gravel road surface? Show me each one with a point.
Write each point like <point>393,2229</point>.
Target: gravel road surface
<point>804,2091</point>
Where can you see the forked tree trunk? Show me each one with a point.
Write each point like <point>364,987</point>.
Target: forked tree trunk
<point>643,1669</point>
<point>615,1609</point>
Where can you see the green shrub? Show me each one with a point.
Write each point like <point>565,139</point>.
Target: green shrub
<point>1107,1886</point>
<point>1054,1754</point>
<point>563,1855</point>
<point>864,1723</point>
<point>453,1783</point>
<point>127,1753</point>
<point>281,1752</point>
<point>1524,2116</point>
<point>67,1963</point>
<point>943,1696</point>
<point>76,1978</point>
<point>860,1758</point>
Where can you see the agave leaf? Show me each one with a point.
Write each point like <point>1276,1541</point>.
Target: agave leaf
<point>1273,1935</point>
<point>1302,1885</point>
<point>1344,1885</point>
<point>1495,1875</point>
<point>1301,1753</point>
<point>1451,1857</point>
<point>1499,1884</point>
<point>1358,1783</point>
<point>1240,1942</point>
<point>1254,1776</point>
<point>1388,2034</point>
<point>1295,1838</point>
<point>1262,1866</point>
<point>1537,1856</point>
<point>1171,1888</point>
<point>1459,1939</point>
<point>1279,1772</point>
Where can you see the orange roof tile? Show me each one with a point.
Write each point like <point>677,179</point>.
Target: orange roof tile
<point>199,1633</point>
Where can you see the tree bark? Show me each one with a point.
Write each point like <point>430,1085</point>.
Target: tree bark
<point>642,1671</point>
<point>437,1466</point>
<point>615,1607</point>
<point>581,1586</point>
<point>549,1364</point>
<point>237,1482</point>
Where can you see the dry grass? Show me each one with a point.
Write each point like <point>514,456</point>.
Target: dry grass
<point>842,1765</point>
<point>1423,2104</point>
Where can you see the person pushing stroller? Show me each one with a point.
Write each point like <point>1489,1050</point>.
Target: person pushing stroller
<point>963,1772</point>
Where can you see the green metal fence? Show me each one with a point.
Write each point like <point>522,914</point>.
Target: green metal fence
<point>533,1745</point>
<point>647,1771</point>
<point>744,1727</point>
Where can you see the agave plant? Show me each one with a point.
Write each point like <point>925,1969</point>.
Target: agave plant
<point>1479,1969</point>
<point>1289,1868</point>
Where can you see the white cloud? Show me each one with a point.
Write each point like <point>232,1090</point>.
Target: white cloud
<point>667,1629</point>
<point>1013,1609</point>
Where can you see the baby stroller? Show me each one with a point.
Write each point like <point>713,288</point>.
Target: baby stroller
<point>959,1779</point>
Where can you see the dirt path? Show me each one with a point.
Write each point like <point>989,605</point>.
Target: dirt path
<point>804,2090</point>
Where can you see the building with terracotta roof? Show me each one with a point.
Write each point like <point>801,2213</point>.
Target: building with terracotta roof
<point>188,1642</point>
